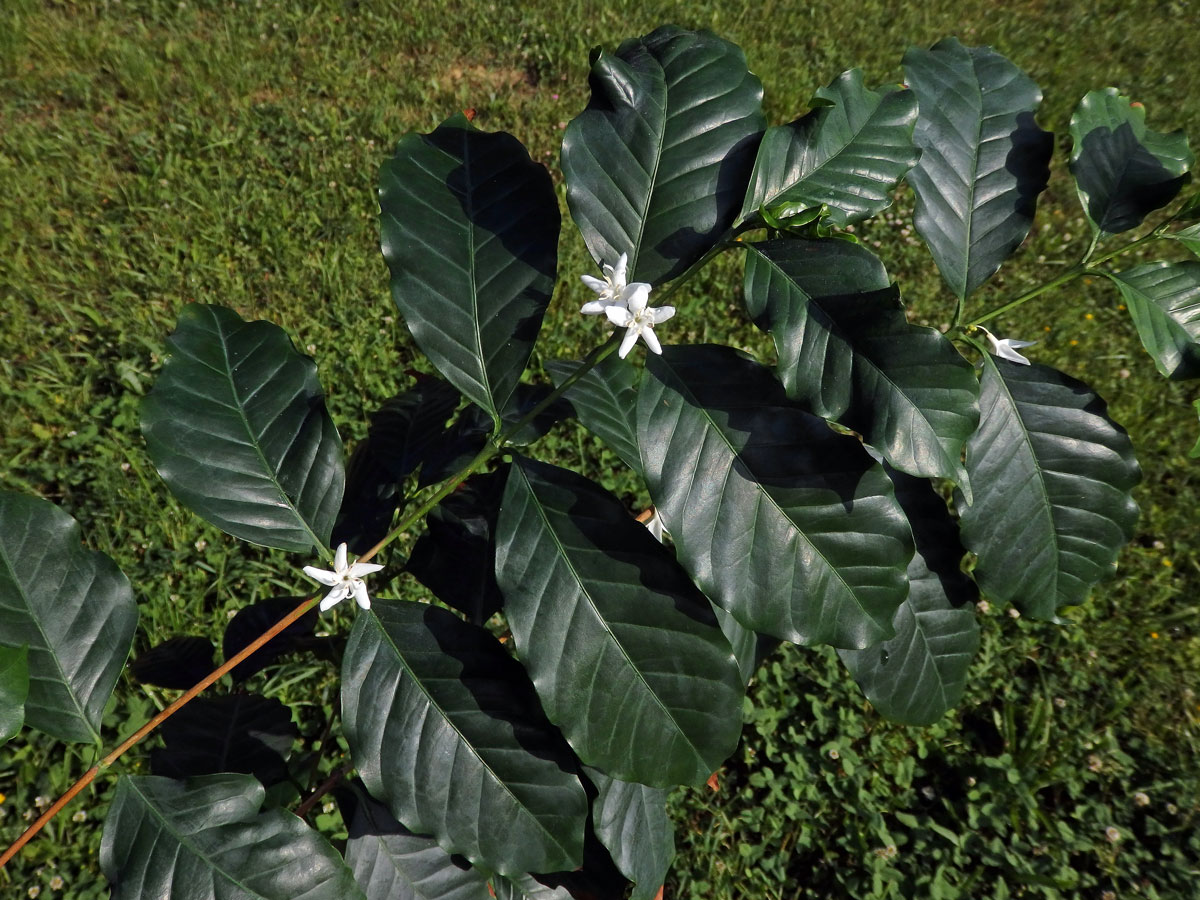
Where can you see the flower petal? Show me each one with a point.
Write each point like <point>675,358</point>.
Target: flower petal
<point>339,558</point>
<point>334,597</point>
<point>594,283</point>
<point>594,308</point>
<point>636,296</point>
<point>360,595</point>
<point>660,315</point>
<point>627,343</point>
<point>618,315</point>
<point>358,570</point>
<point>619,270</point>
<point>651,339</point>
<point>323,576</point>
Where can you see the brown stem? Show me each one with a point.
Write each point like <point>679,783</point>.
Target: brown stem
<point>323,788</point>
<point>138,735</point>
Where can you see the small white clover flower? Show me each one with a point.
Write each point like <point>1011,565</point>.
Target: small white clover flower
<point>639,319</point>
<point>344,579</point>
<point>1006,348</point>
<point>612,291</point>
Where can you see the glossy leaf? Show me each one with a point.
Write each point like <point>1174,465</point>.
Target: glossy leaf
<point>235,733</point>
<point>446,729</point>
<point>408,424</point>
<point>456,556</point>
<point>658,163</point>
<point>849,153</point>
<point>208,840</point>
<point>176,663</point>
<point>369,503</point>
<point>593,599</point>
<point>606,402</point>
<point>921,673</point>
<point>391,863</point>
<point>791,527</point>
<point>631,821</point>
<point>1189,237</point>
<point>74,610</point>
<point>1053,476</point>
<point>236,426</point>
<point>14,688</point>
<point>1123,170</point>
<point>984,160</point>
<point>1163,299</point>
<point>469,226</point>
<point>847,352</point>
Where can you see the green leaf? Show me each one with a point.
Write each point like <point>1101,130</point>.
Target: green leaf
<point>983,162</point>
<point>391,863</point>
<point>631,821</point>
<point>1194,453</point>
<point>236,426</point>
<point>1123,170</point>
<point>469,226</point>
<point>658,163</point>
<point>921,673</point>
<point>1189,237</point>
<point>208,839</point>
<point>445,727</point>
<point>71,606</point>
<point>848,153</point>
<point>605,400</point>
<point>233,733</point>
<point>1164,302</point>
<point>14,689</point>
<point>1053,475</point>
<point>788,525</point>
<point>847,352</point>
<point>594,600</point>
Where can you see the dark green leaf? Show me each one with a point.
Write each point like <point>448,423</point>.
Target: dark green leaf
<point>1189,237</point>
<point>391,863</point>
<point>1123,170</point>
<point>847,352</point>
<point>176,663</point>
<point>235,733</point>
<point>848,153</point>
<point>983,162</point>
<point>1053,475</point>
<point>593,599</point>
<point>658,163</point>
<point>789,526</point>
<point>606,402</point>
<point>456,557</point>
<point>1164,302</point>
<point>921,673</point>
<point>457,446</point>
<point>527,397</point>
<point>14,688</point>
<point>408,424</point>
<point>208,840</point>
<point>1194,453</point>
<point>469,227</point>
<point>631,821</point>
<point>71,606</point>
<point>252,621</point>
<point>369,503</point>
<point>237,428</point>
<point>447,730</point>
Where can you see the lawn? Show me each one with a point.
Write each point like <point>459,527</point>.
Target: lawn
<point>154,154</point>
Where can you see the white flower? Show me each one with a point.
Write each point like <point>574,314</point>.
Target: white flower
<point>639,319</point>
<point>344,579</point>
<point>1006,348</point>
<point>612,291</point>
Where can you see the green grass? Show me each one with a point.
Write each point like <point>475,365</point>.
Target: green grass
<point>152,154</point>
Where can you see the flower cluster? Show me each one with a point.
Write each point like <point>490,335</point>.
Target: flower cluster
<point>627,305</point>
